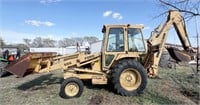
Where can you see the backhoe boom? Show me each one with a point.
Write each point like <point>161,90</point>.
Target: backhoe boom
<point>158,38</point>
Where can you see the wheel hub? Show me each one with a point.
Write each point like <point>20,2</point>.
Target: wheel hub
<point>130,79</point>
<point>72,89</point>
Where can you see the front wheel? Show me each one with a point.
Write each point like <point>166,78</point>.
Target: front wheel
<point>71,87</point>
<point>128,77</point>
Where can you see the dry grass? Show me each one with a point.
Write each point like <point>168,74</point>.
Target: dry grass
<point>173,87</point>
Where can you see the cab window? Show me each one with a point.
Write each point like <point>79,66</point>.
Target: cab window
<point>135,40</point>
<point>115,40</point>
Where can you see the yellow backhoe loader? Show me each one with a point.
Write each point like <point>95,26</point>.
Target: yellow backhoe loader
<point>124,61</point>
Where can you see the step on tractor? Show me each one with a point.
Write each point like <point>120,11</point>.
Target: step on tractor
<point>126,59</point>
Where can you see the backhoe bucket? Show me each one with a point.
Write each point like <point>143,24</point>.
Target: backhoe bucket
<point>28,63</point>
<point>179,55</point>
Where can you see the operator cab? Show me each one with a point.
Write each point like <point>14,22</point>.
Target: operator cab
<point>121,41</point>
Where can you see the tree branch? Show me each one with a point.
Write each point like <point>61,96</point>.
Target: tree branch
<point>160,14</point>
<point>179,9</point>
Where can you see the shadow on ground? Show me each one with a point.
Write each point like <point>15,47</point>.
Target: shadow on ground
<point>89,85</point>
<point>40,82</point>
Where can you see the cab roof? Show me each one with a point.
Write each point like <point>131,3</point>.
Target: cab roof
<point>105,26</point>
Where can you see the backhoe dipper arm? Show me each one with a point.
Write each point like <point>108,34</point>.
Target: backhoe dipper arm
<point>158,38</point>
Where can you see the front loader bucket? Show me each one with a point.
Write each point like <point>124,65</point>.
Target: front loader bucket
<point>179,55</point>
<point>28,63</point>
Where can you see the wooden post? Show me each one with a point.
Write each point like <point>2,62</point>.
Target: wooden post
<point>197,66</point>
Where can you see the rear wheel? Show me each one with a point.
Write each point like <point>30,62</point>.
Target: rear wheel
<point>128,77</point>
<point>71,87</point>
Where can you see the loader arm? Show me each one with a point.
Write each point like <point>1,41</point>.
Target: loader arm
<point>77,60</point>
<point>158,38</point>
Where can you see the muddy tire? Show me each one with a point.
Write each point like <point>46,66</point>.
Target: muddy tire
<point>3,72</point>
<point>128,77</point>
<point>71,87</point>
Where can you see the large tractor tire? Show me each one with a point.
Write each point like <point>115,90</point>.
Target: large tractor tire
<point>3,72</point>
<point>71,87</point>
<point>128,77</point>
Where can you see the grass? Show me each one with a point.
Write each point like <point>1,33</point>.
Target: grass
<point>173,87</point>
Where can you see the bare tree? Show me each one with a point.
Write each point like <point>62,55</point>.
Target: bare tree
<point>27,42</point>
<point>61,43</point>
<point>190,8</point>
<point>78,40</point>
<point>47,42</point>
<point>73,41</point>
<point>65,42</point>
<point>91,39</point>
<point>37,42</point>
<point>2,43</point>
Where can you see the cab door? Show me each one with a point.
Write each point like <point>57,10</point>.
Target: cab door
<point>114,44</point>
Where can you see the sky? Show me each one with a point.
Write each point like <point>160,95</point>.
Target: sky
<point>58,19</point>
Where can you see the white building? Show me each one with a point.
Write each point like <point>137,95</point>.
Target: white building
<point>59,51</point>
<point>96,47</point>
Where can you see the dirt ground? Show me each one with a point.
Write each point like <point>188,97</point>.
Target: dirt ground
<point>172,87</point>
